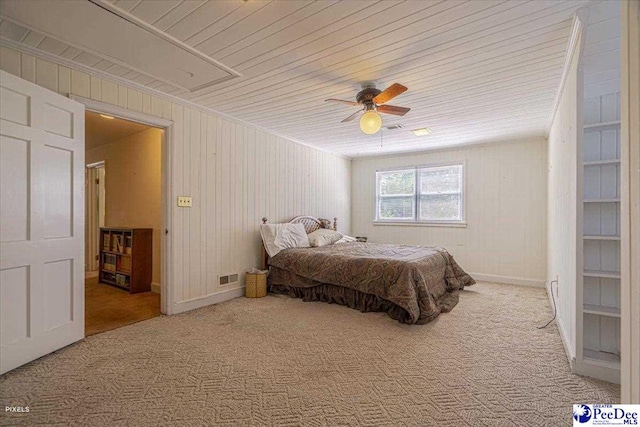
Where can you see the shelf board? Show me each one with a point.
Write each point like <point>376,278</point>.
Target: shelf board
<point>602,274</point>
<point>116,253</point>
<point>601,200</point>
<point>601,124</point>
<point>601,310</point>
<point>602,162</point>
<point>126,273</point>
<point>595,237</point>
<point>601,356</point>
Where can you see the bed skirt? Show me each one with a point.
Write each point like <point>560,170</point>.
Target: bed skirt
<point>324,292</point>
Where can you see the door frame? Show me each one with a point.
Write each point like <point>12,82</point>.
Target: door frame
<point>166,270</point>
<point>630,201</point>
<point>95,226</point>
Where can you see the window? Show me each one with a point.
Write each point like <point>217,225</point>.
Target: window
<point>430,194</point>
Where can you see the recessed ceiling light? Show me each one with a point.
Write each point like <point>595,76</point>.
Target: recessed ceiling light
<point>107,117</point>
<point>421,131</point>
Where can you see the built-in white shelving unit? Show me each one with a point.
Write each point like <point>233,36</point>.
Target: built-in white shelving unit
<point>599,312</point>
<point>598,284</point>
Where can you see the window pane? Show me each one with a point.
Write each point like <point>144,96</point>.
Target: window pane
<point>396,208</point>
<point>446,179</point>
<point>440,207</point>
<point>397,182</point>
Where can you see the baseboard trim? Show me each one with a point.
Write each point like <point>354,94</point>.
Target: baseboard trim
<point>597,370</point>
<point>192,304</point>
<point>565,343</point>
<point>91,274</point>
<point>155,287</point>
<point>522,281</point>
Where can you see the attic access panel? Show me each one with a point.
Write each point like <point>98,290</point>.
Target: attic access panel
<point>98,27</point>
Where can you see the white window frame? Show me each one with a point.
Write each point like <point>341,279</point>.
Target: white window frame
<point>416,195</point>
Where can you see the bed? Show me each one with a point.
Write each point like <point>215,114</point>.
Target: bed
<point>412,284</point>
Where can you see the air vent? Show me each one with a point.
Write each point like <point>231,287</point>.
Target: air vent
<point>229,279</point>
<point>394,127</point>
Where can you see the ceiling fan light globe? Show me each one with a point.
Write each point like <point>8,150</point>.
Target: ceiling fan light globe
<point>370,122</point>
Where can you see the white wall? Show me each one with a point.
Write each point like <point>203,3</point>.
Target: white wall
<point>563,205</point>
<point>235,173</point>
<point>505,239</point>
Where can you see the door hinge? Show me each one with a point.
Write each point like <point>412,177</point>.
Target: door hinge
<point>97,181</point>
<point>166,231</point>
<point>97,257</point>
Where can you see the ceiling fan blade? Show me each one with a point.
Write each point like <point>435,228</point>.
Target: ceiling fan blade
<point>355,104</point>
<point>389,93</point>
<point>392,109</point>
<point>353,116</point>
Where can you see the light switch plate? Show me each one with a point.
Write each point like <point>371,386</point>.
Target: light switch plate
<point>184,201</point>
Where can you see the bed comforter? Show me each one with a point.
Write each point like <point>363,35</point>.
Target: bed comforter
<point>413,284</point>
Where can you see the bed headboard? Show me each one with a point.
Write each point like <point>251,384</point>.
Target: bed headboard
<point>310,223</point>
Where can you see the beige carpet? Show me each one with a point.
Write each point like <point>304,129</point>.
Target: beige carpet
<point>278,361</point>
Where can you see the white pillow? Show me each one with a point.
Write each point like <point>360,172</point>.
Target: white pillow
<point>282,236</point>
<point>346,239</point>
<point>323,237</point>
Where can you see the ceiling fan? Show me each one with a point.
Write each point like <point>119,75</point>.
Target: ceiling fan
<point>372,100</point>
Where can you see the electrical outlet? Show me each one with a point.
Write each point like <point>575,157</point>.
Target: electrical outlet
<point>184,201</point>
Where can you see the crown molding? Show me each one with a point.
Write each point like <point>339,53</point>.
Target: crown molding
<point>572,49</point>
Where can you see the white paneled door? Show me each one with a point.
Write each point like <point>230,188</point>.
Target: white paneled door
<point>41,221</point>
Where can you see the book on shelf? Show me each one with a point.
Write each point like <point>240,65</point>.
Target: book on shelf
<point>118,243</point>
<point>121,280</point>
<point>106,241</point>
<point>125,264</point>
<point>109,262</point>
<point>128,244</point>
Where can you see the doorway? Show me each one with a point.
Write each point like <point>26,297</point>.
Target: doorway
<point>124,219</point>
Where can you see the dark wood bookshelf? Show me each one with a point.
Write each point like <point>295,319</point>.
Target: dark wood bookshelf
<point>126,258</point>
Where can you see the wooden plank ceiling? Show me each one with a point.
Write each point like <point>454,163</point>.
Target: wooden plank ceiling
<point>477,71</point>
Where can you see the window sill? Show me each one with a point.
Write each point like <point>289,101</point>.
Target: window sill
<point>456,224</point>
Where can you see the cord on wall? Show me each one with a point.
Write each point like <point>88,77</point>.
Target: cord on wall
<point>555,309</point>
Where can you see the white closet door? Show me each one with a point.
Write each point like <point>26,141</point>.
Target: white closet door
<point>41,221</point>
